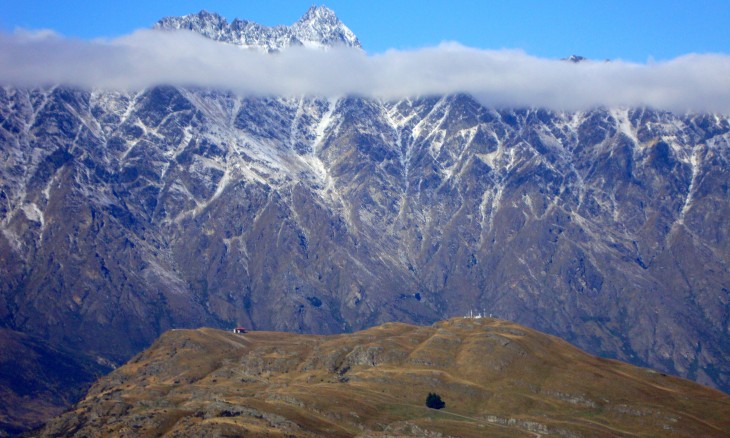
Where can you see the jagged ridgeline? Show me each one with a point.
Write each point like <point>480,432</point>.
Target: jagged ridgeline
<point>125,214</point>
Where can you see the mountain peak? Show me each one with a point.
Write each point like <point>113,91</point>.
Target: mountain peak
<point>203,14</point>
<point>319,13</point>
<point>575,59</point>
<point>208,24</point>
<point>318,27</point>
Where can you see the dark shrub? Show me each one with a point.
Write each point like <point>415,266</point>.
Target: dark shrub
<point>434,401</point>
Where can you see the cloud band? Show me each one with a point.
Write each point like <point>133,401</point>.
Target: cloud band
<point>691,83</point>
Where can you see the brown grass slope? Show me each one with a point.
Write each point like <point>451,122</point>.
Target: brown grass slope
<point>497,379</point>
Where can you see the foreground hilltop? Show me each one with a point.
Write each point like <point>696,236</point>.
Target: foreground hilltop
<point>497,379</point>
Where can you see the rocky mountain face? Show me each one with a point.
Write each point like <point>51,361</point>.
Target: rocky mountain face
<point>124,214</point>
<point>496,378</point>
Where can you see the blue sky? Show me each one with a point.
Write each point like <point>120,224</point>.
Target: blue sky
<point>630,30</point>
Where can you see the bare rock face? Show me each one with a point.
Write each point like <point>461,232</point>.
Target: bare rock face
<point>126,214</point>
<point>375,383</point>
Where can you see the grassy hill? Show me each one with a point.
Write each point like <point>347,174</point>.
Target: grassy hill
<point>497,379</point>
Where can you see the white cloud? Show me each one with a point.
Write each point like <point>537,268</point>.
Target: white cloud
<point>497,78</point>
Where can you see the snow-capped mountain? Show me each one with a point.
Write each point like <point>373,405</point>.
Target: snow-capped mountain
<point>319,27</point>
<point>124,214</point>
